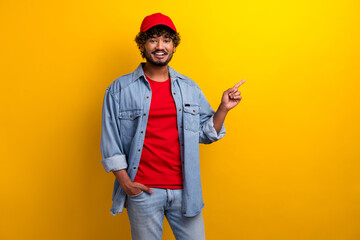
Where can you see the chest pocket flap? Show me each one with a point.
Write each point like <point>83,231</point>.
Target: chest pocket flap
<point>129,114</point>
<point>192,109</point>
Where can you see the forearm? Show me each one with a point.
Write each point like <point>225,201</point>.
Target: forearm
<point>122,177</point>
<point>219,118</point>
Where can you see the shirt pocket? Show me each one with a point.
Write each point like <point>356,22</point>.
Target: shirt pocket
<point>129,121</point>
<point>191,117</point>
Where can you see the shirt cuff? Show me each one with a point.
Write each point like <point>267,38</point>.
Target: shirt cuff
<point>210,131</point>
<point>114,163</point>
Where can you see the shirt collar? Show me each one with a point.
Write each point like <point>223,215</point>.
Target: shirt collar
<point>140,72</point>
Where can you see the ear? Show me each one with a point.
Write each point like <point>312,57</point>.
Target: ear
<point>174,50</point>
<point>141,47</point>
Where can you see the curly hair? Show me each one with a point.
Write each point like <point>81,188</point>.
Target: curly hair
<point>159,30</point>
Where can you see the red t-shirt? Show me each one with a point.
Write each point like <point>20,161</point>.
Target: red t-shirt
<point>160,162</point>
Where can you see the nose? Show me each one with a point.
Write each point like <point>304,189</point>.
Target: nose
<point>160,45</point>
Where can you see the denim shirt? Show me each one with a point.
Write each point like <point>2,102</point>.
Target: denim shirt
<point>124,119</point>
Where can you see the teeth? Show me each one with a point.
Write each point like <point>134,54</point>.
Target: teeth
<point>160,54</point>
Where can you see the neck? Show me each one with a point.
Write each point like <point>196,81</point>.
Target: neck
<point>156,73</point>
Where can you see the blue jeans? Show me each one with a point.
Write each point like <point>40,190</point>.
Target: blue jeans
<point>146,214</point>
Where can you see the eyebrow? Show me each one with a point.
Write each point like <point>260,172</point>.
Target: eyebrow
<point>159,36</point>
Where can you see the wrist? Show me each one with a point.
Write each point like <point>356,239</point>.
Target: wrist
<point>123,178</point>
<point>126,185</point>
<point>223,109</point>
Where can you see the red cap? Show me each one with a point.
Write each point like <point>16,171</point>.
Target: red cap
<point>156,19</point>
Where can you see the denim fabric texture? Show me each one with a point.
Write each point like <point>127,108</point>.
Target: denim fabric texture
<point>146,214</point>
<point>124,119</point>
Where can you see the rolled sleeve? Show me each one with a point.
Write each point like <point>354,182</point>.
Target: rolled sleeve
<point>114,163</point>
<point>210,131</point>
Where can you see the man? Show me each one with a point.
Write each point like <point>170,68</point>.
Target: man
<point>153,120</point>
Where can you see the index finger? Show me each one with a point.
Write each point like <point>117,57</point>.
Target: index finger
<point>239,83</point>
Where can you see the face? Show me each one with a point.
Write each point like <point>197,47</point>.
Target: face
<point>158,50</point>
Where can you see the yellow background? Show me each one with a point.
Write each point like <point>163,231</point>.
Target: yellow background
<point>288,168</point>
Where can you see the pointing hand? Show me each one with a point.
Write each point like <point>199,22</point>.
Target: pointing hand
<point>231,97</point>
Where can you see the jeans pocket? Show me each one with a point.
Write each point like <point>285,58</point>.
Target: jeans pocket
<point>136,195</point>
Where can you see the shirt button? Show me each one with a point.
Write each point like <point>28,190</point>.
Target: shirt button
<point>130,115</point>
<point>147,96</point>
<point>179,109</point>
<point>180,126</point>
<point>134,167</point>
<point>174,93</point>
<point>142,131</point>
<point>144,114</point>
<point>193,110</point>
<point>139,150</point>
<point>182,144</point>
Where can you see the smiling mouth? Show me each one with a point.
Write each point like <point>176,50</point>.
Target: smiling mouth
<point>159,53</point>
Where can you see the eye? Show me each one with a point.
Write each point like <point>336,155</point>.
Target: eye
<point>152,40</point>
<point>167,40</point>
